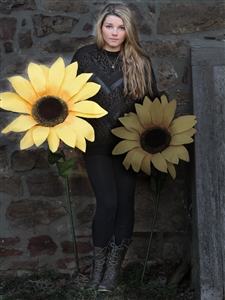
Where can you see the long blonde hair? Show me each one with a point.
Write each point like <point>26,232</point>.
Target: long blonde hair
<point>136,64</point>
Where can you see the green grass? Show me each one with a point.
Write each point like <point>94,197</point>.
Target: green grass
<point>53,286</point>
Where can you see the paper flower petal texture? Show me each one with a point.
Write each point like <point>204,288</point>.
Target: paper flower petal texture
<point>51,103</point>
<point>153,136</point>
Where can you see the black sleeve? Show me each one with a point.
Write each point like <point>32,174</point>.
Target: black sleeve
<point>77,57</point>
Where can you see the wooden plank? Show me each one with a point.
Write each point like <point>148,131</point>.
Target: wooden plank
<point>207,204</point>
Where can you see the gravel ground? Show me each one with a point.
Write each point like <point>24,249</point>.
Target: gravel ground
<point>48,285</point>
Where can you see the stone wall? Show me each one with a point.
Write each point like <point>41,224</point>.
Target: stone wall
<point>35,230</point>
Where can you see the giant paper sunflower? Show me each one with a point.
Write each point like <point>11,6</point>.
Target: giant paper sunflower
<point>51,104</point>
<point>152,135</point>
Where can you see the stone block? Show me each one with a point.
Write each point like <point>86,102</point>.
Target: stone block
<point>10,252</point>
<point>45,25</point>
<point>82,247</point>
<point>26,160</point>
<point>186,18</point>
<point>178,218</point>
<point>168,77</point>
<point>9,241</point>
<point>80,186</point>
<point>6,6</point>
<point>8,28</point>
<point>86,215</point>
<point>87,27</point>
<point>171,49</point>
<point>8,47</point>
<point>11,186</point>
<point>66,263</point>
<point>67,6</point>
<point>29,214</point>
<point>65,44</point>
<point>41,245</point>
<point>24,264</point>
<point>143,24</point>
<point>48,185</point>
<point>25,39</point>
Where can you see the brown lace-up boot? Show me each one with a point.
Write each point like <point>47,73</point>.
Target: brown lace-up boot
<point>116,255</point>
<point>98,267</point>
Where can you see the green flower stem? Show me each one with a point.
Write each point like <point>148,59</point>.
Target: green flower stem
<point>71,218</point>
<point>153,226</point>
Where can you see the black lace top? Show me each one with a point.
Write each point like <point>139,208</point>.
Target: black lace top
<point>110,96</point>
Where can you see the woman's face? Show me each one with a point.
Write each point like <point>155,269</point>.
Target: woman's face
<point>113,33</point>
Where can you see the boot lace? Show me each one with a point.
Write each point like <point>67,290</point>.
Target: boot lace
<point>114,261</point>
<point>99,265</point>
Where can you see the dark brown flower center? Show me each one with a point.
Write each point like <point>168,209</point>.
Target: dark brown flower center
<point>155,139</point>
<point>49,111</point>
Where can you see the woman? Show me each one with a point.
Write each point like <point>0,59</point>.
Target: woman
<point>124,72</point>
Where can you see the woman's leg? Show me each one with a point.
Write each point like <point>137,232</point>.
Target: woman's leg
<point>114,189</point>
<point>126,183</point>
<point>101,175</point>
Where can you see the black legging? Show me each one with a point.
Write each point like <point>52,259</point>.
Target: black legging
<point>114,189</point>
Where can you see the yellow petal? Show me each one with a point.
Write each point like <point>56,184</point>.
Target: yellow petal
<point>45,72</point>
<point>87,91</point>
<point>128,157</point>
<point>24,88</point>
<point>168,113</point>
<point>182,152</point>
<point>180,139</point>
<point>164,101</point>
<point>132,123</point>
<point>13,102</point>
<point>156,112</point>
<point>182,124</point>
<point>27,141</point>
<point>66,134</point>
<point>124,146</point>
<point>184,119</point>
<point>170,154</point>
<point>171,170</point>
<point>147,103</point>
<point>37,78</point>
<point>22,123</point>
<point>190,132</point>
<point>143,115</point>
<point>159,162</point>
<point>80,141</point>
<point>40,134</point>
<point>146,164</point>
<point>68,81</point>
<point>82,126</point>
<point>55,76</point>
<point>78,83</point>
<point>137,158</point>
<point>53,139</point>
<point>89,109</point>
<point>125,134</point>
